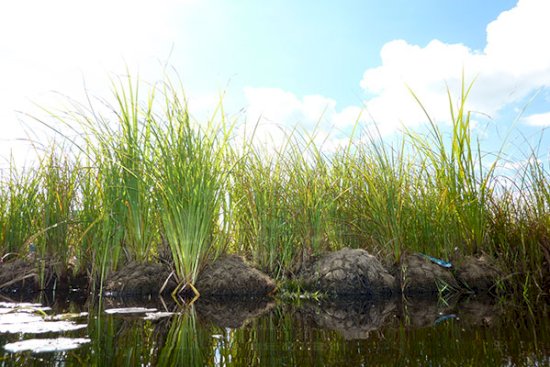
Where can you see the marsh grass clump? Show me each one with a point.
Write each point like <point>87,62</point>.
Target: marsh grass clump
<point>459,178</point>
<point>116,201</point>
<point>21,210</point>
<point>370,204</point>
<point>282,204</point>
<point>190,175</point>
<point>520,228</point>
<point>263,218</point>
<point>58,176</point>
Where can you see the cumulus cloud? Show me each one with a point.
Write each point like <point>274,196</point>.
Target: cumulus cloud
<point>276,112</point>
<point>538,119</point>
<point>513,64</point>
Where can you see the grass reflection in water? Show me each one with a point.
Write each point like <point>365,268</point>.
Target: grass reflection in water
<point>345,333</point>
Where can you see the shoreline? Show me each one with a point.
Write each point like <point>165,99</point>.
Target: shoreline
<point>333,275</point>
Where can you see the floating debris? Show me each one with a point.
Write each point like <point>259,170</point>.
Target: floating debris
<point>25,323</point>
<point>46,345</point>
<point>15,305</point>
<point>67,316</point>
<point>29,318</point>
<point>157,315</point>
<point>19,318</point>
<point>130,310</point>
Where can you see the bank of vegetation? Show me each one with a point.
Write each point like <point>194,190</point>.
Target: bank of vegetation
<point>144,182</point>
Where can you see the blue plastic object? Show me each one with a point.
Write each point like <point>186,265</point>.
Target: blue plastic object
<point>437,261</point>
<point>445,318</point>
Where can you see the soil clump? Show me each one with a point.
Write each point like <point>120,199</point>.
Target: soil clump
<point>140,280</point>
<point>19,276</point>
<point>227,276</point>
<point>348,272</point>
<point>477,274</point>
<point>231,276</point>
<point>339,274</point>
<point>420,276</point>
<point>23,276</point>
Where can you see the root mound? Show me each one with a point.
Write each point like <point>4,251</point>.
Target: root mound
<point>140,280</point>
<point>348,272</point>
<point>22,275</point>
<point>18,275</point>
<point>421,276</point>
<point>232,276</point>
<point>477,274</point>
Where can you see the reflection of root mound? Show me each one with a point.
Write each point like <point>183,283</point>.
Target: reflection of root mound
<point>231,276</point>
<point>348,272</point>
<point>425,311</point>
<point>353,319</point>
<point>480,311</point>
<point>231,312</point>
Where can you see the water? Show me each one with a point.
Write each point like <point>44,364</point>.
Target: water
<point>239,332</point>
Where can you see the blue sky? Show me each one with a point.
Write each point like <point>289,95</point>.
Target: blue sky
<point>323,49</point>
<point>289,62</point>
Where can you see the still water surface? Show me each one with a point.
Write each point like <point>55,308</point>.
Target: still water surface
<point>242,332</point>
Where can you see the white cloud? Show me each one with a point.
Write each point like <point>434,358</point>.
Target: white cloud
<point>285,108</point>
<point>513,64</point>
<point>277,106</point>
<point>519,165</point>
<point>427,71</point>
<point>277,112</point>
<point>273,105</point>
<point>537,119</point>
<point>516,39</point>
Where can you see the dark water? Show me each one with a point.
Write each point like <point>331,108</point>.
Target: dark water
<point>473,332</point>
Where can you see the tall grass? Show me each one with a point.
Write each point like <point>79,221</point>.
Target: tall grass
<point>22,212</point>
<point>118,149</point>
<point>374,183</point>
<point>458,177</point>
<point>282,203</point>
<point>262,211</point>
<point>190,174</point>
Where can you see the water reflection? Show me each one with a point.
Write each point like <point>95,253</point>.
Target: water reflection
<point>244,332</point>
<point>186,345</point>
<point>352,318</point>
<point>232,313</point>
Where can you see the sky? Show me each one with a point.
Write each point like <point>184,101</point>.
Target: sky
<point>323,65</point>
